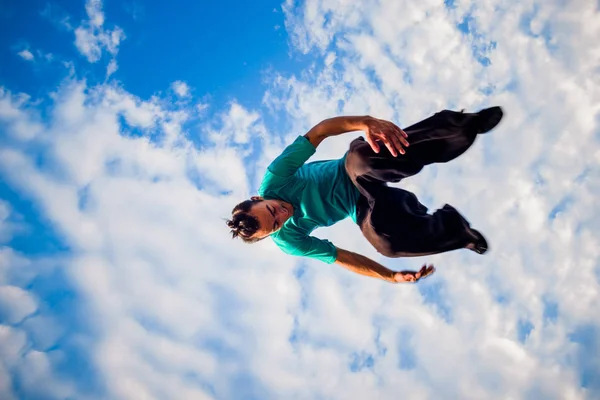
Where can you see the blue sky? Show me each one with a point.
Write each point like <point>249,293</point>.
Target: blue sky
<point>218,48</point>
<point>129,130</point>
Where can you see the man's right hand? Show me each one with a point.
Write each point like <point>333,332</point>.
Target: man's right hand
<point>379,130</point>
<point>412,276</point>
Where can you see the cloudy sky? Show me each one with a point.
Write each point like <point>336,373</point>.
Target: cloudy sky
<point>128,131</point>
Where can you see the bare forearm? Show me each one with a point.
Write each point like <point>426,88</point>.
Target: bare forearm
<point>364,266</point>
<point>335,126</point>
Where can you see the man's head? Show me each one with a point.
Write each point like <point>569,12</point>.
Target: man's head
<point>255,219</point>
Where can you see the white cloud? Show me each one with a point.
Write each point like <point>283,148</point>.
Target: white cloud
<point>173,308</point>
<point>6,227</point>
<point>329,59</point>
<point>24,123</point>
<point>181,88</point>
<point>92,38</point>
<point>26,55</point>
<point>202,107</point>
<point>4,211</point>
<point>94,12</point>
<point>6,384</point>
<point>240,124</point>
<point>112,68</point>
<point>15,304</point>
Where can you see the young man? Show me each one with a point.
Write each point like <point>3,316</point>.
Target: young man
<point>296,198</point>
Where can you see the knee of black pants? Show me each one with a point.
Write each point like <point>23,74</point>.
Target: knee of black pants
<point>359,158</point>
<point>387,251</point>
<point>380,243</point>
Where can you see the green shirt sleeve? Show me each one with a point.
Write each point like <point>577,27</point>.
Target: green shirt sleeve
<point>306,246</point>
<point>292,157</point>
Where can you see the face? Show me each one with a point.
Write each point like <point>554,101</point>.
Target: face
<point>271,215</point>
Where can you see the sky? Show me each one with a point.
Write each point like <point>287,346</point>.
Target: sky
<point>129,130</point>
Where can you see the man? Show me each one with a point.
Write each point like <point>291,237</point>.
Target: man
<point>296,198</point>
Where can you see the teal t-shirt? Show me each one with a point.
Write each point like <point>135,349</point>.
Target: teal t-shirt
<point>320,192</point>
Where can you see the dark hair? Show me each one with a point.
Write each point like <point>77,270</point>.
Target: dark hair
<point>242,224</point>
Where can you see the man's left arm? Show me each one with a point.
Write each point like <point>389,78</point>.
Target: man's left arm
<point>362,265</point>
<point>376,131</point>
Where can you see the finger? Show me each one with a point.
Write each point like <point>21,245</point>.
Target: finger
<point>403,139</point>
<point>390,146</point>
<point>402,136</point>
<point>397,143</point>
<point>430,271</point>
<point>374,145</point>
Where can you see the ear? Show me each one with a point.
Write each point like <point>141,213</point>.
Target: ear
<point>256,198</point>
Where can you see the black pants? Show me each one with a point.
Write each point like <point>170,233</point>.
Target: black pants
<point>392,219</point>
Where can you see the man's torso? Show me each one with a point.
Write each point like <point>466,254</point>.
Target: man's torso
<point>320,192</point>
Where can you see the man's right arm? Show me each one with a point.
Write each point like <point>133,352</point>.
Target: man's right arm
<point>376,131</point>
<point>336,126</point>
<point>365,266</point>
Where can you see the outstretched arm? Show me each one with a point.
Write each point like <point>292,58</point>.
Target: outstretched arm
<point>376,130</point>
<point>365,266</point>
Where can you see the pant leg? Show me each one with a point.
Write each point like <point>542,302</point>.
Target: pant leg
<point>439,138</point>
<point>392,219</point>
<point>398,225</point>
<point>442,137</point>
